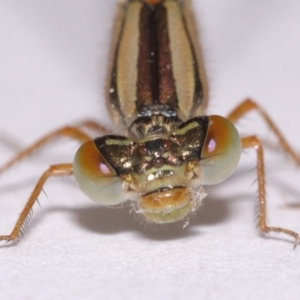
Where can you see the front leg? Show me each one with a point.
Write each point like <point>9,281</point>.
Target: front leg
<point>74,132</point>
<point>55,170</point>
<point>254,142</point>
<point>249,105</point>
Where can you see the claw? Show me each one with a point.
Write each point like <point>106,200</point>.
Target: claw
<point>7,238</point>
<point>297,241</point>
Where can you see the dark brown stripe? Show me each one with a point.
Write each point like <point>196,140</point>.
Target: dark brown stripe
<point>156,83</point>
<point>145,61</point>
<point>166,84</point>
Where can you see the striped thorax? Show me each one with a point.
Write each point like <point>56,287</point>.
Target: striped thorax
<point>157,94</point>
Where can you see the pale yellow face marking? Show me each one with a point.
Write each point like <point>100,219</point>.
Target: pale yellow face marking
<point>117,142</point>
<point>190,126</point>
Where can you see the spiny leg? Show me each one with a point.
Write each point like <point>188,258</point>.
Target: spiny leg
<point>55,170</point>
<point>68,131</point>
<point>254,142</point>
<point>249,105</point>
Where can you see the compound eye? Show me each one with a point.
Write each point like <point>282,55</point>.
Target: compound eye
<point>96,177</point>
<point>221,151</point>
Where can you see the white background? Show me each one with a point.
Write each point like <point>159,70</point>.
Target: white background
<point>53,62</point>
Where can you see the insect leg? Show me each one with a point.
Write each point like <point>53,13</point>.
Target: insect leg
<point>249,105</point>
<point>55,170</point>
<point>254,142</point>
<point>68,131</point>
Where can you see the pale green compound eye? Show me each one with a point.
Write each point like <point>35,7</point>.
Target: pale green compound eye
<point>96,177</point>
<point>220,153</point>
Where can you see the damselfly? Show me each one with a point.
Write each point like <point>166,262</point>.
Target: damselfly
<point>168,149</point>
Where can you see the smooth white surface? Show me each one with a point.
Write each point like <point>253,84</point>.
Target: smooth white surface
<point>53,61</point>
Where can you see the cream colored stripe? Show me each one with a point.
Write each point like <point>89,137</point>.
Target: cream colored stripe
<point>185,129</point>
<point>182,58</point>
<point>118,142</point>
<point>127,60</point>
<point>194,36</point>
